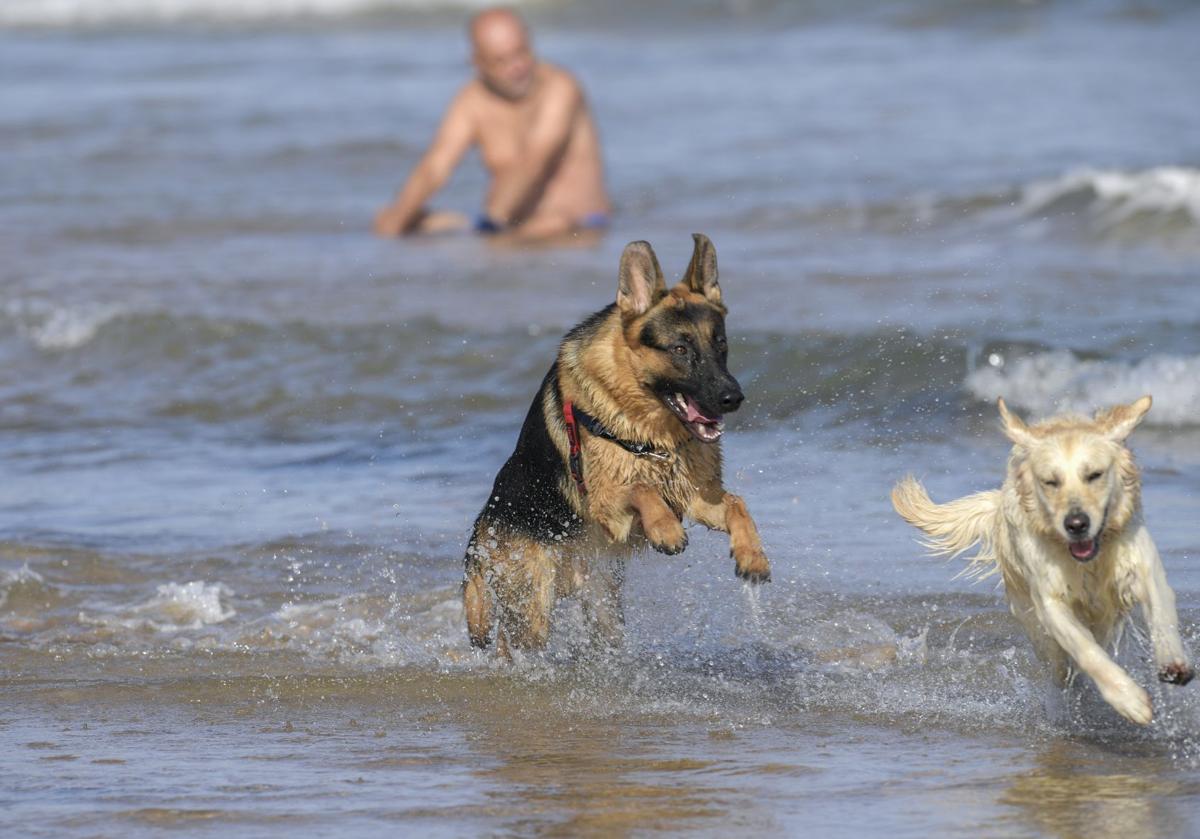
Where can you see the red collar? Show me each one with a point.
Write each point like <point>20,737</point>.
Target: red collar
<point>575,417</point>
<point>575,458</point>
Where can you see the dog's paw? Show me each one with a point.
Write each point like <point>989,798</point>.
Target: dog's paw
<point>1131,702</point>
<point>669,540</point>
<point>751,566</point>
<point>1175,673</point>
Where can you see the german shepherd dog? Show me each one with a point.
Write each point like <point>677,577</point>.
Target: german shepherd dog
<point>1066,533</point>
<point>621,443</point>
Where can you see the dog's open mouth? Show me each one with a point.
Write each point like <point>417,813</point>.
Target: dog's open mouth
<point>1085,549</point>
<point>704,428</point>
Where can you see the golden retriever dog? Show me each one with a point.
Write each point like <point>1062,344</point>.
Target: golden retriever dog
<point>1066,533</point>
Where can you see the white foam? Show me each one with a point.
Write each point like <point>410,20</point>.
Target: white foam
<point>11,579</point>
<point>1113,196</point>
<point>91,12</point>
<point>1053,382</point>
<point>187,605</point>
<point>352,618</point>
<point>371,629</point>
<point>52,327</point>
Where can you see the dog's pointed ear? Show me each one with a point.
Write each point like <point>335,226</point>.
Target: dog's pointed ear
<point>1015,428</point>
<point>640,282</point>
<point>1119,421</point>
<point>701,273</point>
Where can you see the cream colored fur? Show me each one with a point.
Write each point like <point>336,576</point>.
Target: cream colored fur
<point>1071,610</point>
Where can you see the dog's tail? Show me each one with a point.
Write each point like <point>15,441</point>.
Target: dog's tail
<point>952,528</point>
<point>477,601</point>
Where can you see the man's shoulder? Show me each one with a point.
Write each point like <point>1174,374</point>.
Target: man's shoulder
<point>561,77</point>
<point>560,86</point>
<point>471,93</point>
<point>470,102</point>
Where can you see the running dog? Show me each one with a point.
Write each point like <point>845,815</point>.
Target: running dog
<point>1065,531</point>
<point>621,443</point>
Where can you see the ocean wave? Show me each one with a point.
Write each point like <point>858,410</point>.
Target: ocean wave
<point>1051,382</point>
<point>21,586</point>
<point>367,628</point>
<point>906,14</point>
<point>302,375</point>
<point>297,376</point>
<point>894,381</point>
<point>952,659</point>
<point>1158,204</point>
<point>58,13</point>
<point>193,604</point>
<point>175,607</point>
<point>391,630</point>
<point>1112,200</point>
<point>49,326</point>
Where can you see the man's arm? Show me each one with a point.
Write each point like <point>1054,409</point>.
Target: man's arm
<point>516,188</point>
<point>454,136</point>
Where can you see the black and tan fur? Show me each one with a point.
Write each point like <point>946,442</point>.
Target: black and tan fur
<point>538,537</point>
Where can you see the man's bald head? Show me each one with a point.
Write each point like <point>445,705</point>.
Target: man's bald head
<point>502,53</point>
<point>496,27</point>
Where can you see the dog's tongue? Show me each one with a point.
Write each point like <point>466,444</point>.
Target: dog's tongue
<point>694,413</point>
<point>1081,550</point>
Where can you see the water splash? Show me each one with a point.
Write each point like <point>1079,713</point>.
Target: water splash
<point>752,596</point>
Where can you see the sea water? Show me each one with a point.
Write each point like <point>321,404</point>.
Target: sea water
<point>242,441</point>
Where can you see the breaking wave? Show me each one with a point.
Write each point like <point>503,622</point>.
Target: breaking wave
<point>175,607</point>
<point>304,377</point>
<point>1057,381</point>
<point>1112,201</point>
<point>51,327</point>
<point>945,659</point>
<point>1160,204</point>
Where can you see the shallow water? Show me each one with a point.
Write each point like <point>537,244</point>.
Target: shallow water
<point>243,441</point>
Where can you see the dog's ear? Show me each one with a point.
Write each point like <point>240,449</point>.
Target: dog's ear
<point>640,282</point>
<point>1015,428</point>
<point>701,273</point>
<point>1119,421</point>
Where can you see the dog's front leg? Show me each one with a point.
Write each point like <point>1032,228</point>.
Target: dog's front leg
<point>615,511</point>
<point>1117,688</point>
<point>662,527</point>
<point>724,511</point>
<point>1158,606</point>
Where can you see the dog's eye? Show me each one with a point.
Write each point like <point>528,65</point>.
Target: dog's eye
<point>1094,476</point>
<point>1051,482</point>
<point>680,349</point>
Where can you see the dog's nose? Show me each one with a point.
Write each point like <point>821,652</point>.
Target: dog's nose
<point>1077,524</point>
<point>731,399</point>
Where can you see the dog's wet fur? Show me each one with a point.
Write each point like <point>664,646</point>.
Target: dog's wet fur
<point>1066,533</point>
<point>651,368</point>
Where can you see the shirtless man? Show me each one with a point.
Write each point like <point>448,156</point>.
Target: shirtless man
<point>536,137</point>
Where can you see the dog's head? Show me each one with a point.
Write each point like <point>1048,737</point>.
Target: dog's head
<point>1074,475</point>
<point>676,337</point>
